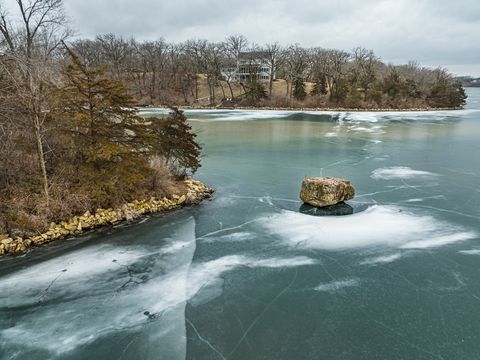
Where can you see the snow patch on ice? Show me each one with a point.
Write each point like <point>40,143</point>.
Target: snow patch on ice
<point>400,172</point>
<point>379,225</point>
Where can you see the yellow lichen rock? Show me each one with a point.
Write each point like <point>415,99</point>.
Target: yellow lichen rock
<point>196,192</point>
<point>181,200</point>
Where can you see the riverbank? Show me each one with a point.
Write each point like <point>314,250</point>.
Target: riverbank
<point>195,194</point>
<point>319,109</point>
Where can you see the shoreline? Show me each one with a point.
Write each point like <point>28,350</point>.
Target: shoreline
<point>78,225</point>
<point>317,109</point>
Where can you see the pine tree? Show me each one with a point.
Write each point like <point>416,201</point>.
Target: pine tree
<point>108,141</point>
<point>299,92</point>
<point>175,142</point>
<point>254,91</point>
<point>320,87</point>
<point>446,93</point>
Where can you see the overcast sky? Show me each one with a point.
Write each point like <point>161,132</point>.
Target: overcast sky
<point>434,32</point>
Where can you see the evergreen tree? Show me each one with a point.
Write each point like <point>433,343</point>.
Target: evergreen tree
<point>446,93</point>
<point>254,91</point>
<point>175,142</point>
<point>108,141</point>
<point>339,90</point>
<point>320,87</point>
<point>299,92</point>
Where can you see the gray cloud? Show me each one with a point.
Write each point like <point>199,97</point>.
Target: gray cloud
<point>434,32</point>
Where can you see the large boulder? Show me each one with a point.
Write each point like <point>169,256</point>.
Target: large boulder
<point>326,191</point>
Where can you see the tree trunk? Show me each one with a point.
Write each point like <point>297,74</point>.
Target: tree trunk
<point>41,155</point>
<point>196,88</point>
<point>223,90</point>
<point>230,88</point>
<point>213,94</point>
<point>37,126</point>
<point>152,86</point>
<point>270,85</point>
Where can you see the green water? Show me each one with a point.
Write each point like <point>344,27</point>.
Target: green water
<point>248,276</point>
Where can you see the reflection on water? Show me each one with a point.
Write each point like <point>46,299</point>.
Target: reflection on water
<point>334,210</point>
<point>252,275</point>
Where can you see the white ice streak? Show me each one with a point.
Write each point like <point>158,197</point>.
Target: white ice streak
<point>282,262</point>
<point>235,115</point>
<point>361,116</point>
<point>233,237</point>
<point>174,247</point>
<point>331,134</point>
<point>78,267</point>
<point>371,129</point>
<point>379,225</point>
<point>386,116</point>
<point>337,285</point>
<point>400,172</point>
<point>439,240</point>
<point>382,259</point>
<point>470,252</point>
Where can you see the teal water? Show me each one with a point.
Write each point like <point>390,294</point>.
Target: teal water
<point>248,276</point>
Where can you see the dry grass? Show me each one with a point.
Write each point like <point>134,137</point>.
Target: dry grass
<point>164,183</point>
<point>24,212</point>
<point>278,98</point>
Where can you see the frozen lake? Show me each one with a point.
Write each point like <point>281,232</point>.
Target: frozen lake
<point>248,276</point>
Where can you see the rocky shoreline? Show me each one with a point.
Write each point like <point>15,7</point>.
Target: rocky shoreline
<point>196,193</point>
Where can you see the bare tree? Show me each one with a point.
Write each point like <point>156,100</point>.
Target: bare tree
<point>212,55</point>
<point>363,71</point>
<point>115,51</point>
<point>40,30</point>
<point>89,51</point>
<point>232,47</point>
<point>276,59</point>
<point>196,49</point>
<point>336,71</point>
<point>295,66</point>
<point>153,60</point>
<point>235,44</point>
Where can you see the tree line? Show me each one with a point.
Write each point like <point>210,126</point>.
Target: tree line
<point>71,138</point>
<point>159,72</point>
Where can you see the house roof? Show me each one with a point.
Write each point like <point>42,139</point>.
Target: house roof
<point>249,55</point>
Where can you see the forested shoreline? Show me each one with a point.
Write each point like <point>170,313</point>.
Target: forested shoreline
<point>193,73</point>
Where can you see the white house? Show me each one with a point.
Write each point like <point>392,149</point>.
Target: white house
<point>250,65</point>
